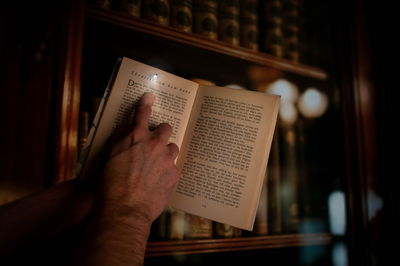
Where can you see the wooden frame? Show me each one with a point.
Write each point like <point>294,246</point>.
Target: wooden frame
<point>195,40</point>
<point>69,93</point>
<point>177,247</point>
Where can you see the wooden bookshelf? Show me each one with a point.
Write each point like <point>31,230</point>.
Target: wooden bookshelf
<point>238,56</point>
<point>178,247</point>
<point>49,46</point>
<point>195,40</point>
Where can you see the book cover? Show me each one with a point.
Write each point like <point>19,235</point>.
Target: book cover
<point>224,137</point>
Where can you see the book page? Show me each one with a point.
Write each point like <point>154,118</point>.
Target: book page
<point>224,155</point>
<point>174,100</point>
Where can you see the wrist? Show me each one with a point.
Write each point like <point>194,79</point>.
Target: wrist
<point>116,232</point>
<point>131,216</point>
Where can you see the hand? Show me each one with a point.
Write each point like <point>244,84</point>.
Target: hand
<point>141,173</point>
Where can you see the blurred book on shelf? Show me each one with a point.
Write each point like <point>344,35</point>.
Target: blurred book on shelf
<point>291,30</point>
<point>206,18</point>
<point>261,221</point>
<point>290,177</point>
<point>197,227</point>
<point>159,228</point>
<point>182,14</point>
<point>130,7</point>
<point>156,11</point>
<point>272,20</point>
<point>274,188</point>
<point>105,4</point>
<point>222,230</point>
<point>228,21</point>
<point>175,224</point>
<point>249,24</point>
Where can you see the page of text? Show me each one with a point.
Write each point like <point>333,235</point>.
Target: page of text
<point>225,155</point>
<point>174,100</point>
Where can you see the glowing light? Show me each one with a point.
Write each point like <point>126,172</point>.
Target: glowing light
<point>235,86</point>
<point>288,91</point>
<point>155,76</point>
<point>337,213</point>
<point>312,103</point>
<point>339,254</point>
<point>288,112</point>
<point>375,204</point>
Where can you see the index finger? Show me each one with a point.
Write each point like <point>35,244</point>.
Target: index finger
<point>143,111</point>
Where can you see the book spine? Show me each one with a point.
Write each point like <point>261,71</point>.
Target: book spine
<point>305,202</point>
<point>175,224</point>
<point>289,179</point>
<point>273,174</point>
<point>182,14</point>
<point>223,230</point>
<point>261,221</point>
<point>159,227</point>
<point>198,227</point>
<point>106,4</point>
<point>156,11</point>
<point>237,232</point>
<point>249,24</point>
<point>273,35</point>
<point>205,18</point>
<point>291,30</point>
<point>228,21</point>
<point>130,7</point>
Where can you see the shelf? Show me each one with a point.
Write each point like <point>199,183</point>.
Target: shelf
<point>195,40</point>
<point>178,247</point>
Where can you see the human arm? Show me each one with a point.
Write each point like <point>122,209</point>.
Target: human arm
<point>43,214</point>
<point>135,187</point>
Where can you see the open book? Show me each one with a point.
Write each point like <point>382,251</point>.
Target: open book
<point>224,137</point>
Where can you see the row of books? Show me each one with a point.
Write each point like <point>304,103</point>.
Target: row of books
<point>174,224</point>
<point>177,225</point>
<point>271,26</point>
